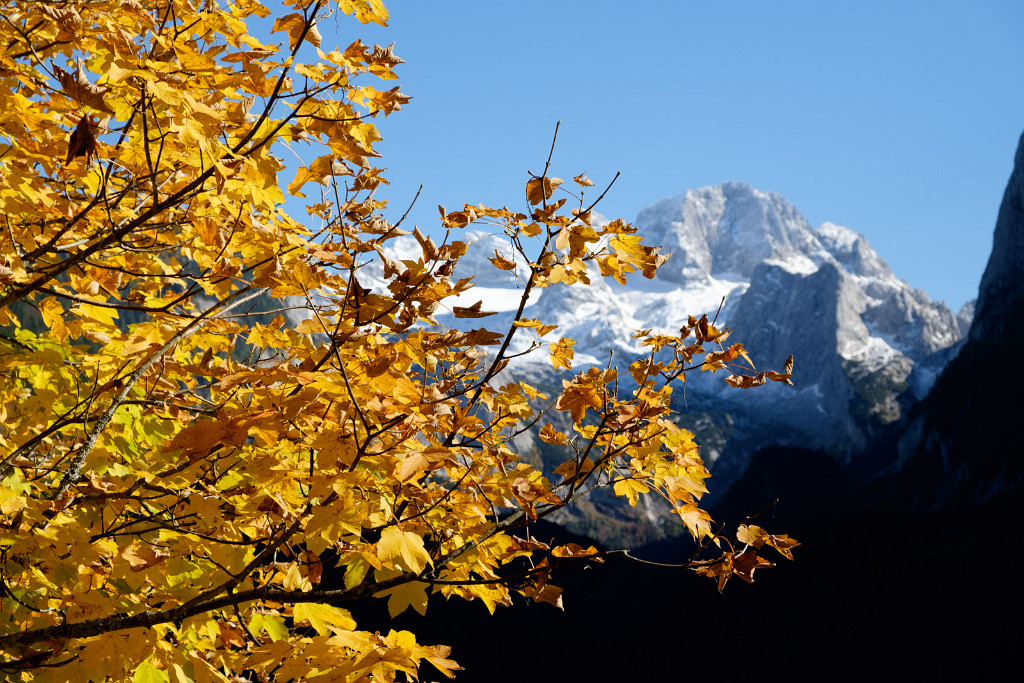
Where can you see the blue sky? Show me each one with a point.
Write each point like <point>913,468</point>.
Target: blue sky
<point>896,119</point>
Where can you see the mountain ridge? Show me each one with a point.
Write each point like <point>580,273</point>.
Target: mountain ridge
<point>821,293</point>
<point>867,345</point>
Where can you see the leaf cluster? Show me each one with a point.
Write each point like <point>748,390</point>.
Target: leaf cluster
<point>177,477</point>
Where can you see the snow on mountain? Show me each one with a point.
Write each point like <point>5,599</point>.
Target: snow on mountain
<point>726,231</point>
<point>856,330</point>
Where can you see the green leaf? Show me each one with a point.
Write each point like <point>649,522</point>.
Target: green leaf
<point>148,673</point>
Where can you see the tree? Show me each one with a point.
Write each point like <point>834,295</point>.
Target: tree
<point>178,477</point>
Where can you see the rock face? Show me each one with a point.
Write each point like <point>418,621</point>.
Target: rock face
<point>962,446</point>
<point>866,344</point>
<point>726,230</point>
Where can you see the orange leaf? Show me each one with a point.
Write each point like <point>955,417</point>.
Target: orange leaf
<point>540,189</point>
<point>501,263</point>
<point>577,398</point>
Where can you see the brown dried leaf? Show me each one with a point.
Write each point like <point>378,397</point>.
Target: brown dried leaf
<point>747,562</point>
<point>79,88</point>
<point>385,56</point>
<point>430,251</point>
<point>82,142</point>
<point>69,22</point>
<point>472,311</point>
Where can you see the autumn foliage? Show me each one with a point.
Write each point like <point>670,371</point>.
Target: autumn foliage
<point>177,476</point>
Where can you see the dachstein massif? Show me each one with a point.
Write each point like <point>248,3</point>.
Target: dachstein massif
<point>895,458</point>
<point>867,346</point>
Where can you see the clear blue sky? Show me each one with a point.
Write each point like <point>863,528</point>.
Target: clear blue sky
<point>896,119</point>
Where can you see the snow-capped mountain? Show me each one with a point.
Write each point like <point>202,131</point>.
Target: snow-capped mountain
<point>866,344</point>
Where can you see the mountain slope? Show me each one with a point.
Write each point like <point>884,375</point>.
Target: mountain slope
<point>866,344</point>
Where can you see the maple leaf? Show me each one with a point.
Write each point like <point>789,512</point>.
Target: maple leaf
<point>546,593</point>
<point>407,545</point>
<point>742,381</point>
<point>438,656</point>
<point>578,551</point>
<point>324,619</point>
<point>143,556</point>
<point>629,249</point>
<point>549,434</point>
<point>578,397</point>
<point>756,537</point>
<point>697,521</point>
<point>746,562</point>
<point>412,594</point>
<point>631,489</point>
<point>417,462</point>
<point>562,353</point>
<point>385,56</point>
<point>68,20</point>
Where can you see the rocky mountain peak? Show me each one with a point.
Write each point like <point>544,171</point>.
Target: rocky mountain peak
<point>852,251</point>
<point>724,231</point>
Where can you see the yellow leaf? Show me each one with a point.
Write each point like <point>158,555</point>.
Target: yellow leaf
<point>549,434</point>
<point>396,543</point>
<point>562,353</point>
<point>631,489</point>
<point>271,624</point>
<point>412,594</point>
<point>418,461</point>
<point>324,619</point>
<point>532,392</point>
<point>100,314</point>
<point>541,328</point>
<point>697,521</point>
<point>439,658</point>
<point>295,25</point>
<point>10,502</point>
<point>355,572</point>
<point>530,229</point>
<point>365,10</point>
<point>629,249</point>
<point>53,316</point>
